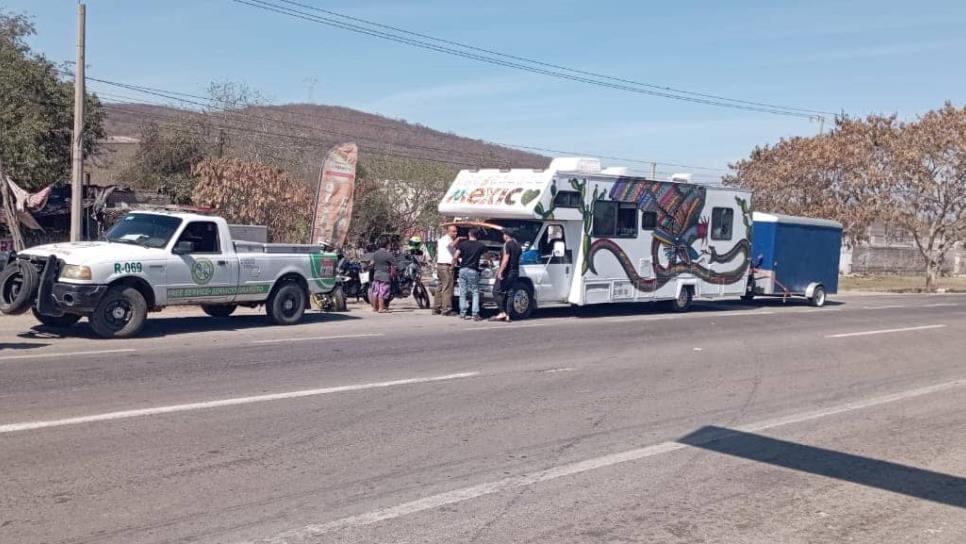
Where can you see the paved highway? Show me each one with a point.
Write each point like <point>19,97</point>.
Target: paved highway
<point>731,424</point>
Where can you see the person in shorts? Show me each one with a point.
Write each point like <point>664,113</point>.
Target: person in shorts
<point>382,262</point>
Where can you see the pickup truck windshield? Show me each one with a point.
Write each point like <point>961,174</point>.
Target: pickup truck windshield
<point>144,229</point>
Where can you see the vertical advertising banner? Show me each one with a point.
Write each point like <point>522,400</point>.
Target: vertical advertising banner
<point>333,201</point>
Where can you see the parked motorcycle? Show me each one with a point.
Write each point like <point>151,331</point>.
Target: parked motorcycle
<point>350,273</point>
<point>406,281</point>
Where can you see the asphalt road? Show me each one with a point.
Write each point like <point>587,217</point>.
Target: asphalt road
<point>730,424</point>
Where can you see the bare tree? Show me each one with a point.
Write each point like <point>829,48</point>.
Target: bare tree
<point>927,186</point>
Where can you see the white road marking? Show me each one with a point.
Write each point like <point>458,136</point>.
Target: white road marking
<point>126,414</point>
<point>885,331</point>
<point>65,354</point>
<point>309,338</point>
<point>940,305</point>
<point>889,307</point>
<point>303,534</point>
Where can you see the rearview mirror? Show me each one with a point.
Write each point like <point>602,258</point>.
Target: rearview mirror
<point>183,247</point>
<point>559,249</point>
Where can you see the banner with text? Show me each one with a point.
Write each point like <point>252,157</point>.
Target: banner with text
<point>333,202</point>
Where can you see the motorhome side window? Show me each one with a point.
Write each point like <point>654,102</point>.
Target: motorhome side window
<point>722,220</point>
<point>567,199</point>
<point>615,219</point>
<point>648,220</point>
<point>203,236</point>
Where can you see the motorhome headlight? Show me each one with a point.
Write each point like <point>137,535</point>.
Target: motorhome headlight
<point>75,272</point>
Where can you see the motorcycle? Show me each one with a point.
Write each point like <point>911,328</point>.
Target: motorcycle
<point>350,273</point>
<point>406,281</point>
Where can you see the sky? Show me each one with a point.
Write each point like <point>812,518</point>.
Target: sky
<point>857,57</point>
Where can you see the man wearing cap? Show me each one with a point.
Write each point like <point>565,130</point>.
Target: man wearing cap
<point>508,273</point>
<point>443,303</point>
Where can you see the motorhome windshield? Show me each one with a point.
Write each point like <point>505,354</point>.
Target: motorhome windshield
<point>526,231</point>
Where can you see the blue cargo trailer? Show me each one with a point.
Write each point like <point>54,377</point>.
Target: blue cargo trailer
<point>795,257</point>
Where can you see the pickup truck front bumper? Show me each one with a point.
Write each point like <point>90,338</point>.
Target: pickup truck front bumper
<point>76,299</point>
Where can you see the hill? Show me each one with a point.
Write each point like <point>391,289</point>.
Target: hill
<point>296,136</point>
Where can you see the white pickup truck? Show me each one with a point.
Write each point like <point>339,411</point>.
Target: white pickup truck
<point>150,260</point>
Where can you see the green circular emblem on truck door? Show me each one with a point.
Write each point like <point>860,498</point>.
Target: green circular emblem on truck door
<point>202,271</point>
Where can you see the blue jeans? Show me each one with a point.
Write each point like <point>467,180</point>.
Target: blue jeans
<point>469,284</point>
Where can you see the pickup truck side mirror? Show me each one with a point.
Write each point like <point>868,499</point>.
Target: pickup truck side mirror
<point>559,249</point>
<point>183,247</point>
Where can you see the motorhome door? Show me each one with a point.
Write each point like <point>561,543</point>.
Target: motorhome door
<point>553,279</point>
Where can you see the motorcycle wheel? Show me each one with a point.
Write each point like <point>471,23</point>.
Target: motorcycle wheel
<point>421,296</point>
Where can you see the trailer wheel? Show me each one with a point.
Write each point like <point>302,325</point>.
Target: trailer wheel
<point>56,321</point>
<point>287,304</point>
<point>519,301</point>
<point>818,297</point>
<point>18,284</point>
<point>683,302</point>
<point>120,313</point>
<point>219,310</point>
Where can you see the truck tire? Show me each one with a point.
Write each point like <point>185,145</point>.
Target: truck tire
<point>218,310</point>
<point>120,313</point>
<point>818,297</point>
<point>56,321</point>
<point>287,303</point>
<point>519,301</point>
<point>18,286</point>
<point>683,302</point>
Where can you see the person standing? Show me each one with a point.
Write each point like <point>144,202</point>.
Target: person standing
<point>508,273</point>
<point>467,256</point>
<point>382,262</point>
<point>443,305</point>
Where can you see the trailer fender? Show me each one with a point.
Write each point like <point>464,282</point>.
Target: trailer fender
<point>810,290</point>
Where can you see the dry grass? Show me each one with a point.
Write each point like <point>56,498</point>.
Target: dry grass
<point>898,284</point>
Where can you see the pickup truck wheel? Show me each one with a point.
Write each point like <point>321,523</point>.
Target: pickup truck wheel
<point>287,304</point>
<point>56,321</point>
<point>18,283</point>
<point>120,313</point>
<point>218,310</point>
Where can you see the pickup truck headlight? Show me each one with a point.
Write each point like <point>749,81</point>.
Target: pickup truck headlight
<point>75,272</point>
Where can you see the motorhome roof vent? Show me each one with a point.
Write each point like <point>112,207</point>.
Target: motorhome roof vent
<point>616,170</point>
<point>681,178</point>
<point>576,164</point>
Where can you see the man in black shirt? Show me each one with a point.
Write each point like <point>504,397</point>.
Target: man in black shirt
<point>467,257</point>
<point>508,273</point>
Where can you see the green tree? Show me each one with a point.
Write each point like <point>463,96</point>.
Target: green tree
<point>36,111</point>
<point>165,161</point>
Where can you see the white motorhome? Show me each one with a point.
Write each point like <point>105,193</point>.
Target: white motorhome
<point>594,235</point>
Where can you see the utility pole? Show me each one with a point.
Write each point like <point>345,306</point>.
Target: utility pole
<point>77,170</point>
<point>654,170</point>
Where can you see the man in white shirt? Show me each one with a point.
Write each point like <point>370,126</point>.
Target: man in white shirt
<point>443,303</point>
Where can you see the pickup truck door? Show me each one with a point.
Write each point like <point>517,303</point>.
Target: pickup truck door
<point>199,267</point>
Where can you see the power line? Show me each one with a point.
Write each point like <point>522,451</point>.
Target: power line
<point>559,74</point>
<point>551,65</point>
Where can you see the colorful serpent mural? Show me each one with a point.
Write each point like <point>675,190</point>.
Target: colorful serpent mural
<point>679,225</point>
